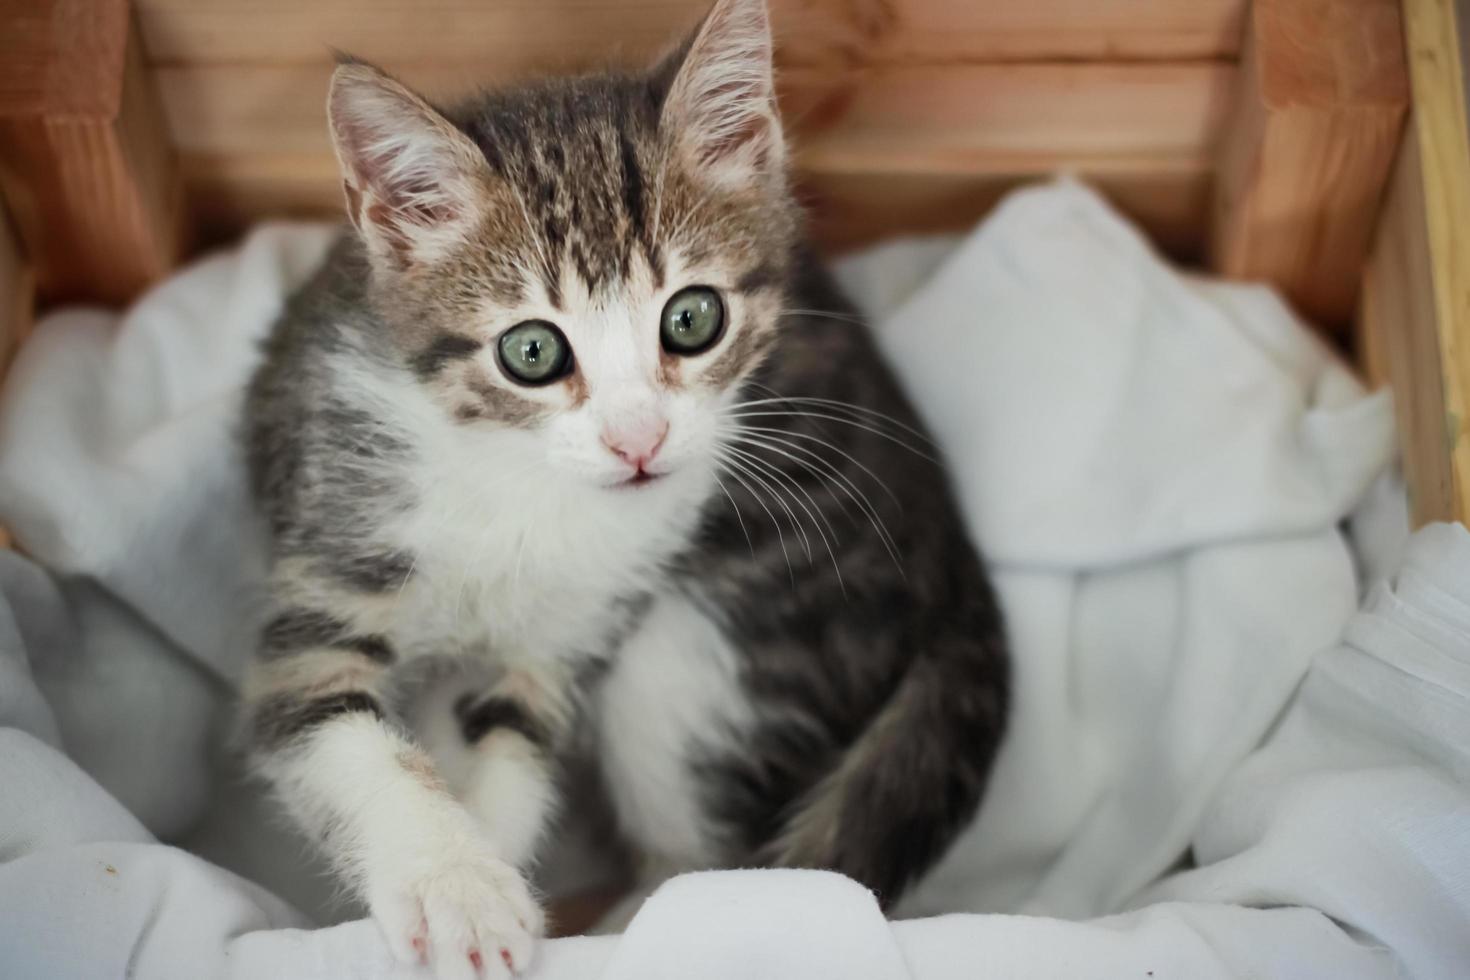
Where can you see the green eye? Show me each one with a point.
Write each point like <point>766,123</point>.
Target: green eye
<point>534,352</point>
<point>692,320</point>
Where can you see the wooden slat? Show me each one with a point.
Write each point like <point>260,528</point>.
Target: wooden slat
<point>253,145</point>
<point>935,135</point>
<point>90,178</point>
<point>1007,119</point>
<point>848,208</point>
<point>578,914</point>
<point>1416,309</point>
<point>851,210</point>
<point>60,56</point>
<point>17,295</point>
<point>1400,342</point>
<point>517,35</point>
<point>932,119</point>
<point>1304,160</point>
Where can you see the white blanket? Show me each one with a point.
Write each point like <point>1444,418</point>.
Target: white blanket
<point>1158,467</point>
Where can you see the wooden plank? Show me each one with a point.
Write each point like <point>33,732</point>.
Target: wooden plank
<point>958,119</point>
<point>947,140</point>
<point>1008,119</point>
<point>520,35</point>
<point>852,210</point>
<point>1416,310</point>
<point>1400,343</point>
<point>17,295</point>
<point>849,207</point>
<point>62,57</point>
<point>1322,94</point>
<point>89,178</point>
<point>579,913</point>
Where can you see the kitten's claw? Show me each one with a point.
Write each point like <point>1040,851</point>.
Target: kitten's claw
<point>447,916</point>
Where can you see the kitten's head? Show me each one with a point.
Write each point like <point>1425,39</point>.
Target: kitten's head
<point>587,268</point>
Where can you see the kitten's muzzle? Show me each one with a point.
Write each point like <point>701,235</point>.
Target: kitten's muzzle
<point>636,443</point>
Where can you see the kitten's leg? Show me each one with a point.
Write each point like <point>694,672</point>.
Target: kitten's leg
<point>670,701</point>
<point>321,734</point>
<point>516,731</point>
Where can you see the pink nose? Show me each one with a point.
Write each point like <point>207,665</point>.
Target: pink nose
<point>636,444</point>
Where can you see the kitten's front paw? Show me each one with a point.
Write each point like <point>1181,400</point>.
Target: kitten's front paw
<point>470,915</point>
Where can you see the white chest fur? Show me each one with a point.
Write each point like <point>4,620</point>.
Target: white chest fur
<point>512,554</point>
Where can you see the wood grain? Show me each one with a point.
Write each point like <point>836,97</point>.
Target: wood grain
<point>942,104</point>
<point>1416,310</point>
<point>578,914</point>
<point>17,295</point>
<point>852,210</point>
<point>934,117</point>
<point>1399,343</point>
<point>990,119</point>
<point>90,181</point>
<point>518,35</point>
<point>253,145</point>
<point>848,208</point>
<point>61,57</point>
<point>1322,94</point>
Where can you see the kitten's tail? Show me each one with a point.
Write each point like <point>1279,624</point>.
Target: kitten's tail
<point>905,788</point>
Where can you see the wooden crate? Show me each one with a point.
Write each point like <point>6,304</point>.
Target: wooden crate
<point>1316,144</point>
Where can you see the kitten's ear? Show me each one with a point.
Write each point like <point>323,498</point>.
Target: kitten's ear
<point>721,104</point>
<point>416,186</point>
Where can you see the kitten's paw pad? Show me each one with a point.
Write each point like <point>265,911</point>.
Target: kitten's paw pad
<point>474,919</point>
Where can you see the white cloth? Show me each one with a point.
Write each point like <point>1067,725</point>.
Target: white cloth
<point>1158,467</point>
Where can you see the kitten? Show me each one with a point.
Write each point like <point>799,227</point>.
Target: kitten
<point>573,396</point>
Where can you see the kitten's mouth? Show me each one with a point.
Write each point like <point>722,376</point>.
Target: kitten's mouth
<point>640,479</point>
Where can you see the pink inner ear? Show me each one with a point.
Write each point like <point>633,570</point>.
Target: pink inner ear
<point>396,224</point>
<point>722,100</point>
<point>420,201</point>
<point>394,199</point>
<point>746,127</point>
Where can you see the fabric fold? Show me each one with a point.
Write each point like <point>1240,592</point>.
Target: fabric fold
<point>775,923</point>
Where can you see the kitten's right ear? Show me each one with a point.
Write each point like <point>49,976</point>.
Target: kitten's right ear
<point>720,106</point>
<point>416,186</point>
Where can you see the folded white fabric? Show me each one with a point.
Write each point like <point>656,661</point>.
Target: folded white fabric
<point>1156,464</point>
<point>1340,849</point>
<point>1158,467</point>
<point>733,925</point>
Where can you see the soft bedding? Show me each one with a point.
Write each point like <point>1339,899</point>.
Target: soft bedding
<point>1218,766</point>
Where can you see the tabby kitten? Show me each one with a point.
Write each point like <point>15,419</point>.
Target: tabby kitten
<point>573,396</point>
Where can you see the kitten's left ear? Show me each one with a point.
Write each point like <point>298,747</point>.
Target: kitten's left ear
<point>721,105</point>
<point>416,186</point>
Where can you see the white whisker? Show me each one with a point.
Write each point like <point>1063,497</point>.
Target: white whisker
<point>776,474</point>
<point>827,315</point>
<point>776,496</point>
<point>778,435</point>
<point>870,414</point>
<point>736,508</point>
<point>865,506</point>
<point>763,413</point>
<point>726,462</point>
